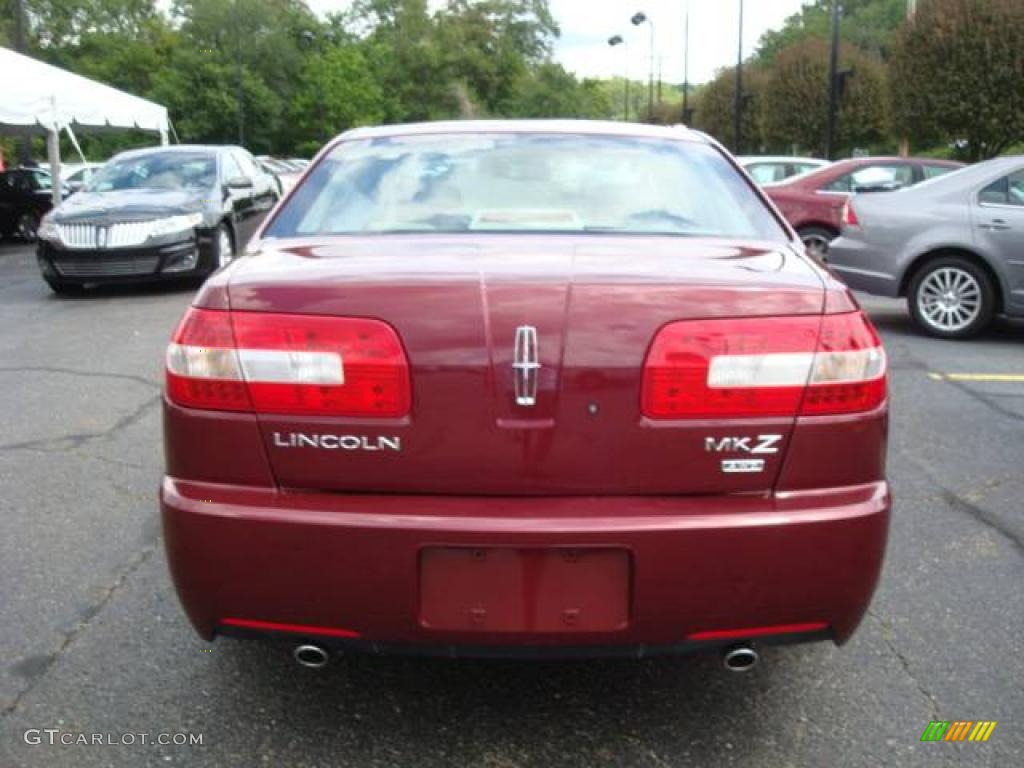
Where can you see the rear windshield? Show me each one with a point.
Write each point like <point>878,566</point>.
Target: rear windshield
<point>525,183</point>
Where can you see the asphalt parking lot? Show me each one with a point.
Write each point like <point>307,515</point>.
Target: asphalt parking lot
<point>93,640</point>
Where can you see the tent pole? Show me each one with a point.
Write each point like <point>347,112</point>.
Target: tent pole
<point>53,156</point>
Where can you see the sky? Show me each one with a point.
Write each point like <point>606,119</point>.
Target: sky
<point>714,25</point>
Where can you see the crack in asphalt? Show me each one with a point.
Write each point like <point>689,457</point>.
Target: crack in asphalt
<point>71,442</point>
<point>85,374</point>
<point>887,638</point>
<point>35,668</point>
<point>958,502</point>
<point>985,400</point>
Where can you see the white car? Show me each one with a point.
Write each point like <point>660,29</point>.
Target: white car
<point>79,176</point>
<point>770,169</point>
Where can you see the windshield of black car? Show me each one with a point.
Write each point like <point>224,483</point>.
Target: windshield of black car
<point>525,183</point>
<point>160,170</point>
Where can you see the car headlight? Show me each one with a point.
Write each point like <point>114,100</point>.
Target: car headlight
<point>48,230</point>
<point>173,224</point>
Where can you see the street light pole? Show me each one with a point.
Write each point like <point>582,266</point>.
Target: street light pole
<point>637,19</point>
<point>620,40</point>
<point>833,84</point>
<point>738,106</point>
<point>904,141</point>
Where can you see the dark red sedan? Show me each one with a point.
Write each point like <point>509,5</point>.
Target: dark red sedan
<point>525,388</point>
<point>813,202</point>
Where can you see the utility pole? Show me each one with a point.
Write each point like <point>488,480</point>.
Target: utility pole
<point>686,66</point>
<point>904,141</point>
<point>738,107</point>
<point>660,62</point>
<point>833,84</point>
<point>239,95</point>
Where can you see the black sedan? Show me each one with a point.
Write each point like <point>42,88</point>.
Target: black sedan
<point>152,214</point>
<point>26,194</point>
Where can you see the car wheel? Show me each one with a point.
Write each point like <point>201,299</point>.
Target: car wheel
<point>224,245</point>
<point>65,289</point>
<point>952,298</point>
<point>816,240</point>
<point>28,225</point>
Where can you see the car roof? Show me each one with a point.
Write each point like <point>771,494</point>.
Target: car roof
<point>743,159</point>
<point>184,148</point>
<point>969,176</point>
<point>839,167</point>
<point>569,127</point>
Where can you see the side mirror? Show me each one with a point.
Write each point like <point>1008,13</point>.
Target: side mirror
<point>72,187</point>
<point>239,182</point>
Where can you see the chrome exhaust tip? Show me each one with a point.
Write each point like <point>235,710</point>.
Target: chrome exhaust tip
<point>740,659</point>
<point>311,656</point>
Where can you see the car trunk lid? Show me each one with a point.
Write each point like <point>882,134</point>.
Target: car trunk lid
<point>526,356</point>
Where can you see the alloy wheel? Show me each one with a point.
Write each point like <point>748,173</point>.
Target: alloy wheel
<point>27,226</point>
<point>816,245</point>
<point>949,299</point>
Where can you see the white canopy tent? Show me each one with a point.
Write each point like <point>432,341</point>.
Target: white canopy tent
<point>39,99</point>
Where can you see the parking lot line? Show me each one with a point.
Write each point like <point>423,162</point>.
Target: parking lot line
<point>1017,378</point>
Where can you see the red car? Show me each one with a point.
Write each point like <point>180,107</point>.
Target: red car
<point>525,388</point>
<point>813,202</point>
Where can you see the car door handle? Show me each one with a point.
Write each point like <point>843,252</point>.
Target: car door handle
<point>996,225</point>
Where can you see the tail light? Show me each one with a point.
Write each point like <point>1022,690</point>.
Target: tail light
<point>849,217</point>
<point>288,364</point>
<point>764,367</point>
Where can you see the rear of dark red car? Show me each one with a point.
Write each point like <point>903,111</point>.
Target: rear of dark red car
<point>524,433</point>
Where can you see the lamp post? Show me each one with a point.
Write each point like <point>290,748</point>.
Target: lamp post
<point>637,19</point>
<point>833,84</point>
<point>620,40</point>
<point>309,37</point>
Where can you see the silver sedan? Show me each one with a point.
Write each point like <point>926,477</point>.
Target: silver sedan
<point>954,246</point>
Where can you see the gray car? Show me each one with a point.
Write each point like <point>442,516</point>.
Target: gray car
<point>954,246</point>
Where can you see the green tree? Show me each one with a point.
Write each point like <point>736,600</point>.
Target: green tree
<point>548,90</point>
<point>794,110</point>
<point>338,91</point>
<point>715,108</point>
<point>401,46</point>
<point>870,25</point>
<point>956,75</point>
<point>489,45</point>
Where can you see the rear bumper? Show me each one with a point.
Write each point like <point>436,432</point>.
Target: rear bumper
<point>863,267</point>
<point>345,568</point>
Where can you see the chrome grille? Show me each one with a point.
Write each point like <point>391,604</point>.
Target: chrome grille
<point>122,234</point>
<point>99,267</point>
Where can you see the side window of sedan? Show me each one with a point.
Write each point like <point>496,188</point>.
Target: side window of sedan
<point>249,166</point>
<point>41,181</point>
<point>873,177</point>
<point>20,182</point>
<point>1008,190</point>
<point>231,168</point>
<point>766,173</point>
<point>934,171</point>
